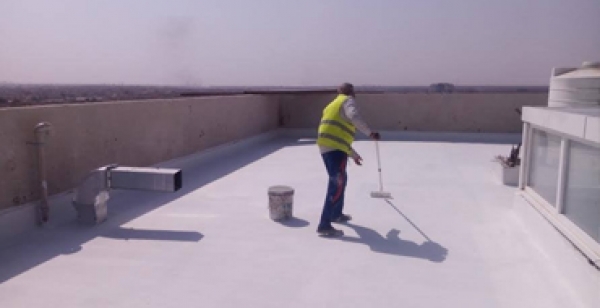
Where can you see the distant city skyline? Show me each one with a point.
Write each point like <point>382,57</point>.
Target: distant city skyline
<point>299,43</point>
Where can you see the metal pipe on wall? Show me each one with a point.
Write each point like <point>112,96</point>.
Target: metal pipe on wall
<point>42,133</point>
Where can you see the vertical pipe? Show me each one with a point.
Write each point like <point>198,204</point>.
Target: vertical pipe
<point>42,132</point>
<point>562,175</point>
<point>526,150</point>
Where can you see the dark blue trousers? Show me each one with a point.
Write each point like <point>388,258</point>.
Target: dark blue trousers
<point>335,163</point>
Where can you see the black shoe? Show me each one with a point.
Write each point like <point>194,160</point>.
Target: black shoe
<point>330,232</point>
<point>343,218</point>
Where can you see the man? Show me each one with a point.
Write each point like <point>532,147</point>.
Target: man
<point>336,134</point>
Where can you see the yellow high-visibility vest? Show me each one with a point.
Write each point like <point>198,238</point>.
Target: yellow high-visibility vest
<point>334,131</point>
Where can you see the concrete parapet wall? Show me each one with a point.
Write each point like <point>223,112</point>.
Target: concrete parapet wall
<point>135,133</point>
<point>460,112</point>
<point>145,132</point>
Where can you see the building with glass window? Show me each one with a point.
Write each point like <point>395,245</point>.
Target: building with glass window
<point>560,173</point>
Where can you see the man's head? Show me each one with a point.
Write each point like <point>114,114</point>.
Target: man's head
<point>346,89</point>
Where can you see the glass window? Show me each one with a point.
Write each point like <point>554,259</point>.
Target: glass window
<point>582,194</point>
<point>545,158</point>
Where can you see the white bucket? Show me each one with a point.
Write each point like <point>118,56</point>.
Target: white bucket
<point>281,200</point>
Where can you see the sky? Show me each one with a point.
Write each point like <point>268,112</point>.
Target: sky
<point>295,43</point>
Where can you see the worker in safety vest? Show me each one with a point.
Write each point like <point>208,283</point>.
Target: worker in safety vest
<point>336,134</point>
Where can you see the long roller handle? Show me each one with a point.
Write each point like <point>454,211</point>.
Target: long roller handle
<point>379,165</point>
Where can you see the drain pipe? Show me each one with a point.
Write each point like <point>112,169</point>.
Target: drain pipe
<point>42,133</point>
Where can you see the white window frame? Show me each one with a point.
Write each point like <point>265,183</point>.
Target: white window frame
<point>555,214</point>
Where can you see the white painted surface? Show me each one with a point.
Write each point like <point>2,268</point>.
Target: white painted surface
<point>583,95</point>
<point>579,277</point>
<point>582,123</point>
<point>550,118</point>
<point>592,129</point>
<point>212,244</point>
<point>566,103</point>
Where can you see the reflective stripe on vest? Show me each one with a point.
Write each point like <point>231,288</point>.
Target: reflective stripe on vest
<point>335,138</point>
<point>338,124</point>
<point>334,131</point>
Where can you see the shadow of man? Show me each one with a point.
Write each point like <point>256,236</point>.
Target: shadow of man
<point>394,245</point>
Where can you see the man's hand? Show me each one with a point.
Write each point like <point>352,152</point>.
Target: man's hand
<point>357,159</point>
<point>375,136</point>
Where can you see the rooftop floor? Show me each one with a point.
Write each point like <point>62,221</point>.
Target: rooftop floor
<point>449,238</point>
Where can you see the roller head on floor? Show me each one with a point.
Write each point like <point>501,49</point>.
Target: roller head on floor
<point>381,194</point>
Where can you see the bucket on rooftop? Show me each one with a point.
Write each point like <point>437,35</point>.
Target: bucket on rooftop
<point>281,201</point>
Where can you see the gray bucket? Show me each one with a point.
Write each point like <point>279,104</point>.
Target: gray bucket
<point>281,201</point>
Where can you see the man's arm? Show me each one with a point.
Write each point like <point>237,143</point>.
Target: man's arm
<point>351,113</point>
